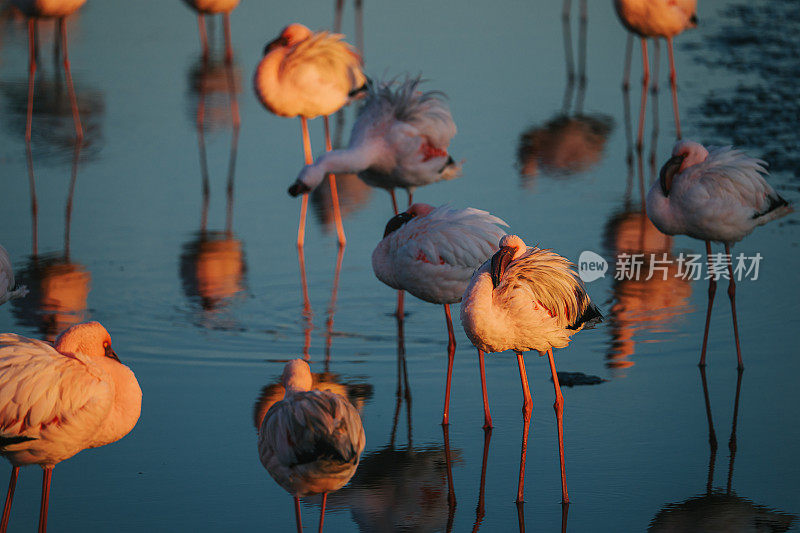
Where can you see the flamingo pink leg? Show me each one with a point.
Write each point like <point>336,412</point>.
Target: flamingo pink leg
<point>732,296</point>
<point>228,47</point>
<point>626,77</point>
<point>31,75</point>
<point>645,81</point>
<point>322,513</point>
<point>301,230</point>
<point>712,288</point>
<point>451,352</point>
<point>201,25</point>
<point>559,408</point>
<point>673,81</point>
<point>527,408</point>
<point>394,201</point>
<point>76,118</point>
<point>297,517</point>
<point>12,484</point>
<point>410,197</point>
<point>487,416</point>
<point>337,216</point>
<point>48,473</point>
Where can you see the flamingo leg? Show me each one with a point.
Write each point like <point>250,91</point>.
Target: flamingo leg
<point>394,201</point>
<point>12,484</point>
<point>201,26</point>
<point>301,229</point>
<point>732,296</point>
<point>451,492</point>
<point>712,288</point>
<point>203,158</point>
<point>527,408</point>
<point>359,8</point>
<point>46,476</point>
<point>521,516</point>
<point>410,197</point>
<point>564,514</point>
<point>559,408</point>
<point>297,518</point>
<point>322,513</point>
<point>732,441</point>
<point>567,33</point>
<point>712,436</point>
<point>234,149</point>
<point>31,75</point>
<point>451,353</point>
<point>645,81</point>
<point>487,416</point>
<point>480,510</point>
<point>34,203</point>
<point>337,16</point>
<point>227,29</point>
<point>70,87</point>
<point>673,82</point>
<point>337,215</point>
<point>626,76</point>
<point>307,312</point>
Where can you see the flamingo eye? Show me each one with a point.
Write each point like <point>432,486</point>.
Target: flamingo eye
<point>106,344</point>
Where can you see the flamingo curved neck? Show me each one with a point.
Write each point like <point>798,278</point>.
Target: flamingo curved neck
<point>127,403</point>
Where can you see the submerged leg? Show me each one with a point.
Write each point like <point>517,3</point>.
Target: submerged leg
<point>712,288</point>
<point>451,352</point>
<point>201,26</point>
<point>12,484</point>
<point>31,75</point>
<point>645,81</point>
<point>527,408</point>
<point>732,296</point>
<point>559,408</point>
<point>487,416</point>
<point>480,510</point>
<point>227,29</point>
<point>70,87</point>
<point>673,82</point>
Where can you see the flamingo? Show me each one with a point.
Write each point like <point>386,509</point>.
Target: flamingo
<point>432,253</point>
<point>657,18</point>
<point>715,194</point>
<point>7,283</point>
<point>527,299</point>
<point>213,7</point>
<point>308,74</point>
<point>60,9</point>
<point>311,441</point>
<point>399,139</point>
<point>56,400</point>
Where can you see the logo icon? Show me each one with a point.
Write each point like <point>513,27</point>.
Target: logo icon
<point>591,266</point>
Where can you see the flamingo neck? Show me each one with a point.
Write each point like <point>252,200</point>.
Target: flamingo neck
<point>127,403</point>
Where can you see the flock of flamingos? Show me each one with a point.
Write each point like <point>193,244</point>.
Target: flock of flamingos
<point>56,400</point>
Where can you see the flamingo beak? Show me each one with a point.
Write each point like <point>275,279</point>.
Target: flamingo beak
<point>280,41</point>
<point>668,171</point>
<point>111,353</point>
<point>298,188</point>
<point>395,222</point>
<point>500,261</point>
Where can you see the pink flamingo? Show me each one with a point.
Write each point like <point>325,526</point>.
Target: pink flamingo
<point>213,7</point>
<point>527,299</point>
<point>57,401</point>
<point>715,194</point>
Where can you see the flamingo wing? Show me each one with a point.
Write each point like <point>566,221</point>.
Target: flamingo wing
<point>324,59</point>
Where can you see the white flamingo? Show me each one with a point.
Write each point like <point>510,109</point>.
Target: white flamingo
<point>399,139</point>
<point>7,283</point>
<point>527,299</point>
<point>432,254</point>
<point>213,7</point>
<point>311,441</point>
<point>308,74</point>
<point>57,401</point>
<point>715,194</point>
<point>59,9</point>
<point>657,18</point>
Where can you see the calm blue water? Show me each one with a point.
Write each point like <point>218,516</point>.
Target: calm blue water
<point>137,259</point>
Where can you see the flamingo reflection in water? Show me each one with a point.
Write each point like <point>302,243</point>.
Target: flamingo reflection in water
<point>716,194</point>
<point>308,74</point>
<point>9,290</point>
<point>526,299</point>
<point>572,141</point>
<point>214,7</point>
<point>432,253</point>
<point>717,509</point>
<point>311,441</point>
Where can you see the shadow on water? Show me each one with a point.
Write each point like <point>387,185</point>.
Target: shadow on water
<point>718,509</point>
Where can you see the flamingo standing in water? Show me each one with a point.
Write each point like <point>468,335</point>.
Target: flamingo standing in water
<point>213,7</point>
<point>527,299</point>
<point>57,401</point>
<point>715,194</point>
<point>311,441</point>
<point>59,9</point>
<point>657,18</point>
<point>308,74</point>
<point>432,254</point>
<point>399,139</point>
<point>7,283</point>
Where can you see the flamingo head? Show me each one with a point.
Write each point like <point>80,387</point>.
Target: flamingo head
<point>290,36</point>
<point>415,210</point>
<point>684,155</point>
<point>89,338</point>
<point>297,376</point>
<point>511,248</point>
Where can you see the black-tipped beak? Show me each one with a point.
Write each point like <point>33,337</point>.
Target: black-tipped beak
<point>450,161</point>
<point>358,91</point>
<point>280,41</point>
<point>395,222</point>
<point>668,172</point>
<point>500,261</point>
<point>298,188</point>
<point>111,353</point>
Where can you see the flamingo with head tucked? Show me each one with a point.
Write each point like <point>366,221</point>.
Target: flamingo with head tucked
<point>8,287</point>
<point>526,299</point>
<point>57,401</point>
<point>308,74</point>
<point>311,441</point>
<point>213,7</point>
<point>432,253</point>
<point>714,194</point>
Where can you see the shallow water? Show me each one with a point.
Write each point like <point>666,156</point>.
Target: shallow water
<point>206,317</point>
